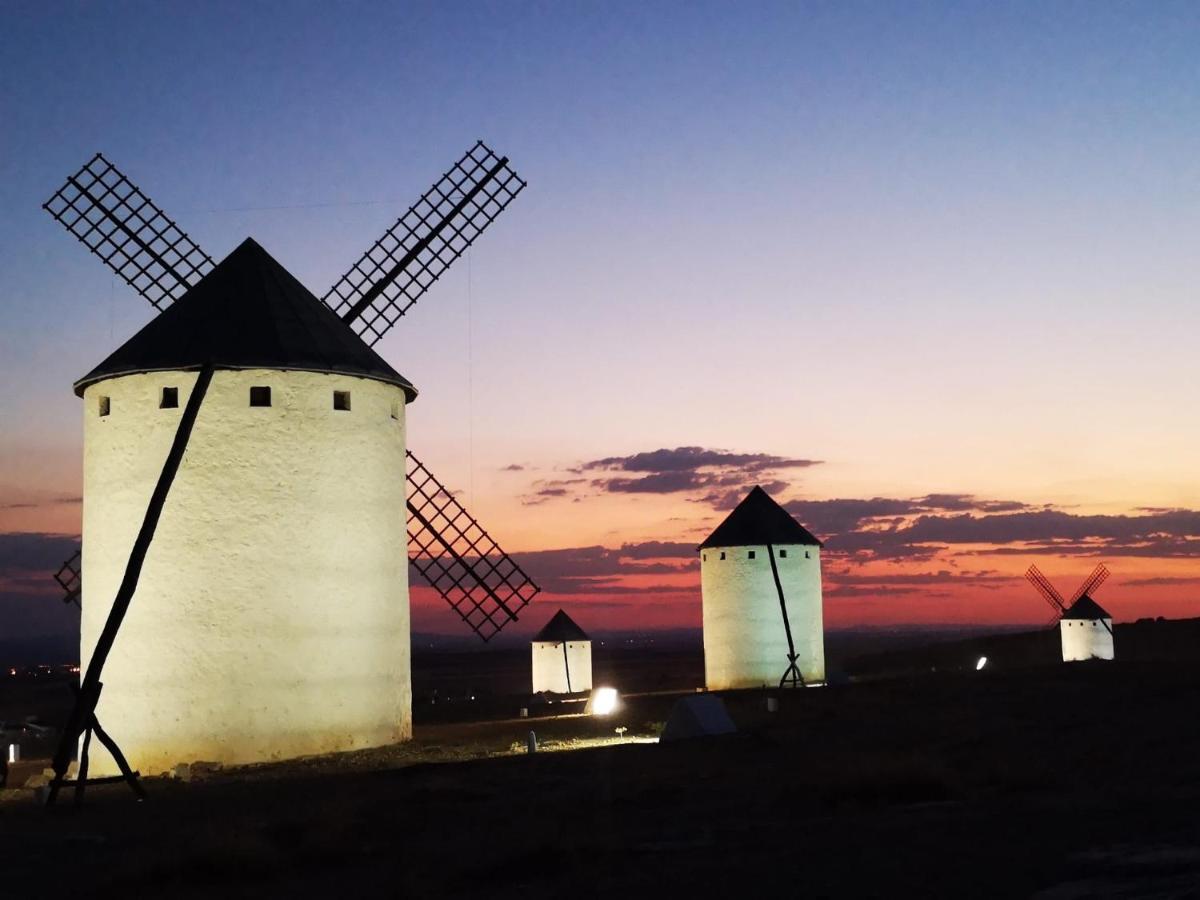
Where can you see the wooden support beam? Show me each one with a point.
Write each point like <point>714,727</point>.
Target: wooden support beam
<point>83,712</point>
<point>567,668</point>
<point>81,780</point>
<point>792,673</point>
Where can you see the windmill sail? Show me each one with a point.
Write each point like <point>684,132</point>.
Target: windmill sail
<point>391,276</point>
<point>70,578</point>
<point>1047,590</point>
<point>1055,599</point>
<point>459,559</point>
<point>1093,581</point>
<point>131,235</point>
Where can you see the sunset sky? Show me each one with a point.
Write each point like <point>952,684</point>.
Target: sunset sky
<point>927,272</point>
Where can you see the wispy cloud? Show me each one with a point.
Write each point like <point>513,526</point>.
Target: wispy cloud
<point>902,529</point>
<point>550,489</point>
<point>1161,580</point>
<point>600,570</point>
<point>939,531</point>
<point>710,476</point>
<point>841,515</point>
<point>692,459</point>
<point>39,504</point>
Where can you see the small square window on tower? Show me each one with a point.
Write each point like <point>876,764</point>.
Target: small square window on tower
<point>105,406</point>
<point>783,554</point>
<point>260,396</point>
<point>341,400</point>
<point>169,398</point>
<point>751,554</point>
<point>722,554</point>
<point>807,554</point>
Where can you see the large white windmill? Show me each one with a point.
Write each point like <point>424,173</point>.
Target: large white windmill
<point>246,481</point>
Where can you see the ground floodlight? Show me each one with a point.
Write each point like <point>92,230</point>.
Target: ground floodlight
<point>603,701</point>
<point>982,662</point>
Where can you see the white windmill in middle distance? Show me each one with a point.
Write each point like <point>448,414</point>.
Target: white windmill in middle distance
<point>760,585</point>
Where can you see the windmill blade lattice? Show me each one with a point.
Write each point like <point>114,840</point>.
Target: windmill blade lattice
<point>110,215</point>
<point>70,578</point>
<point>1093,581</point>
<point>459,559</point>
<point>1046,589</point>
<point>131,235</point>
<point>391,276</point>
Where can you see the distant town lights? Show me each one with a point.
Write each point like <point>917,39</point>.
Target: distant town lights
<point>982,662</point>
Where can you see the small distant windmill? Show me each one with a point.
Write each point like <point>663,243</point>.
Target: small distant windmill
<point>298,338</point>
<point>1085,626</point>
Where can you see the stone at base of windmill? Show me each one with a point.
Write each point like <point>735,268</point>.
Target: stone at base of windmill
<point>192,771</point>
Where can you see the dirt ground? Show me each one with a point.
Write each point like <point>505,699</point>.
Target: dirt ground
<point>1054,782</point>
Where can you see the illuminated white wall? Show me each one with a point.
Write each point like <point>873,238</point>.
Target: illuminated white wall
<point>745,644</point>
<point>1083,639</point>
<point>271,619</point>
<point>550,666</point>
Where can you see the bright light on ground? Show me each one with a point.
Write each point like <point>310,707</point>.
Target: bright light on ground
<point>982,662</point>
<point>604,701</point>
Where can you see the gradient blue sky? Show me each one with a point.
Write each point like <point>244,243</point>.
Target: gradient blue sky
<point>940,247</point>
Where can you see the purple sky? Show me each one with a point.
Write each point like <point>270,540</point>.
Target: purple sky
<point>942,249</point>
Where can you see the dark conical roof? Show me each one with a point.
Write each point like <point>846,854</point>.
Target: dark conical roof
<point>1086,608</point>
<point>759,520</point>
<point>561,627</point>
<point>247,313</point>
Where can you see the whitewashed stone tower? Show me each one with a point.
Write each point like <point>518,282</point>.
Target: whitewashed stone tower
<point>1087,631</point>
<point>745,637</point>
<point>271,618</point>
<point>562,657</point>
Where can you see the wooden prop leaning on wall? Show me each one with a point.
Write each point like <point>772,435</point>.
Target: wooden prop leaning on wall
<point>82,720</point>
<point>791,675</point>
